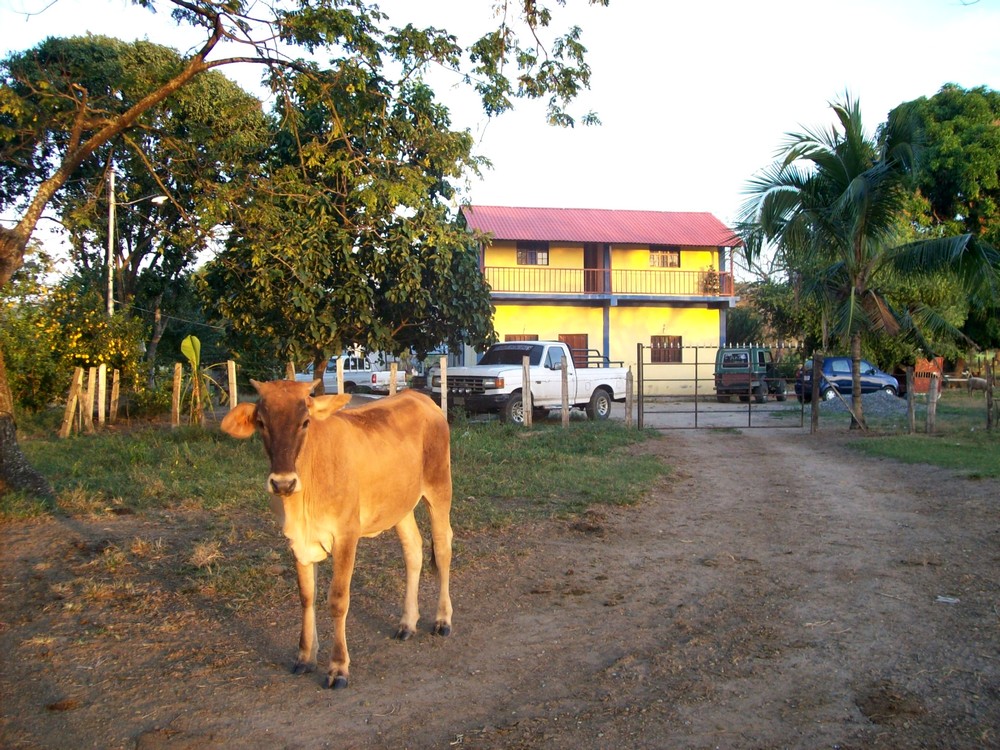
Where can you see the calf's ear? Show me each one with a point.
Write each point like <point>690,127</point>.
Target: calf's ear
<point>321,407</point>
<point>239,421</point>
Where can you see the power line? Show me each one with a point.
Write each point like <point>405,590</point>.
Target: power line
<point>177,318</point>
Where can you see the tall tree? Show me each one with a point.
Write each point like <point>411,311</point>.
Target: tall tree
<point>959,168</point>
<point>500,66</point>
<point>347,240</point>
<point>958,177</point>
<point>832,204</point>
<point>176,172</point>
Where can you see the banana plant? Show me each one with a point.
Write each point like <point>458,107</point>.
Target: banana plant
<point>201,380</point>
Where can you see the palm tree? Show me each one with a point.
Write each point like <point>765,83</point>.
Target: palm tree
<point>833,205</point>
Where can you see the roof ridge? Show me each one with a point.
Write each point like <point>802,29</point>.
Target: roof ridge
<point>600,225</point>
<point>577,208</point>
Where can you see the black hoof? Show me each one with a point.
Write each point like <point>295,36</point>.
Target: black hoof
<point>301,667</point>
<point>336,683</point>
<point>404,634</point>
<point>442,629</point>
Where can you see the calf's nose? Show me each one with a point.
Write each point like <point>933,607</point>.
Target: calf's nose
<point>282,484</point>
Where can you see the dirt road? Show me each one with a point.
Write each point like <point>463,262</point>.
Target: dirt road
<point>778,590</point>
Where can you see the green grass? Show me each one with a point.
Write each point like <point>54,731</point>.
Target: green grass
<point>974,454</point>
<point>501,473</point>
<point>960,441</point>
<point>150,468</point>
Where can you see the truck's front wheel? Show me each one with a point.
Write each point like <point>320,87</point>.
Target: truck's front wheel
<point>600,405</point>
<point>513,410</point>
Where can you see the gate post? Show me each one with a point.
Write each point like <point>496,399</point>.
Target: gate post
<point>695,385</point>
<point>817,373</point>
<point>629,398</point>
<point>639,384</point>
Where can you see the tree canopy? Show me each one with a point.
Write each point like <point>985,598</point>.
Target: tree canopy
<point>50,128</point>
<point>958,178</point>
<point>192,154</point>
<point>346,239</point>
<point>959,167</point>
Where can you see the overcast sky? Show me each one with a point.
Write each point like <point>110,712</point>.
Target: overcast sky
<point>694,96</point>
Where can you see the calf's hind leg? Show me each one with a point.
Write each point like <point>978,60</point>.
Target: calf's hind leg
<point>413,556</point>
<point>439,507</point>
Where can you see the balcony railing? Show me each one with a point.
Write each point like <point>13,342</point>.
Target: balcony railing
<point>659,282</point>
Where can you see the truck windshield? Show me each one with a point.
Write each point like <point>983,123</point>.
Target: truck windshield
<point>512,354</point>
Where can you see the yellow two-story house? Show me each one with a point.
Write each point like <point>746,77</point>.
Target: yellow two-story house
<point>606,280</point>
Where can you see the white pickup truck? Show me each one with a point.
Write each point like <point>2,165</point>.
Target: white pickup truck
<point>495,384</point>
<point>358,376</point>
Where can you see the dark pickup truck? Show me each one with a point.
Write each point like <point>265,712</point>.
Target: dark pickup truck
<point>748,371</point>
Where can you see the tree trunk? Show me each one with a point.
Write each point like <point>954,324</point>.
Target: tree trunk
<point>319,366</point>
<point>15,471</point>
<point>159,327</point>
<point>858,417</point>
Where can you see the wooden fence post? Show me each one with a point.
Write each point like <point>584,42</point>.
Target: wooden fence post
<point>932,399</point>
<point>102,392</point>
<point>88,401</point>
<point>75,390</point>
<point>116,378</point>
<point>526,390</point>
<point>565,393</point>
<point>444,385</point>
<point>817,373</point>
<point>175,407</point>
<point>910,410</point>
<point>989,395</point>
<point>290,371</point>
<point>393,370</point>
<point>231,369</point>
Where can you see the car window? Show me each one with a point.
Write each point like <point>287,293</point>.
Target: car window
<point>512,354</point>
<point>735,359</point>
<point>554,358</point>
<point>840,367</point>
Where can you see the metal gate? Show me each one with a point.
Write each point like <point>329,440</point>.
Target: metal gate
<point>675,389</point>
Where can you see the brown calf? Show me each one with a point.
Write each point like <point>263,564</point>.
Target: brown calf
<point>339,475</point>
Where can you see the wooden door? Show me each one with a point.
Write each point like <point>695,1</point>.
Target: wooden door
<point>593,268</point>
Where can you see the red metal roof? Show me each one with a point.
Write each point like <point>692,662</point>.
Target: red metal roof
<point>698,229</point>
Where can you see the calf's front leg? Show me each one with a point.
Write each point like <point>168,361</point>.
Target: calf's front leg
<point>344,552</point>
<point>308,643</point>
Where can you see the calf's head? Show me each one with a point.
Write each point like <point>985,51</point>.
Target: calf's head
<point>282,415</point>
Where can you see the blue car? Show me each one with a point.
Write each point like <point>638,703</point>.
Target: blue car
<point>837,377</point>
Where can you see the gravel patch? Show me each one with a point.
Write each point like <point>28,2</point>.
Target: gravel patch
<point>878,404</point>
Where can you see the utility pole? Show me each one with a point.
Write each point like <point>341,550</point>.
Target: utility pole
<point>111,242</point>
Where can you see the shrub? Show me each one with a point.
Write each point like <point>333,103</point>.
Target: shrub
<point>45,332</point>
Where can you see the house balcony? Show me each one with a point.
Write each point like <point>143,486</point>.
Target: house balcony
<point>579,282</point>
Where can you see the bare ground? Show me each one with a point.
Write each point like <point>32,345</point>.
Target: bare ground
<point>778,590</point>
